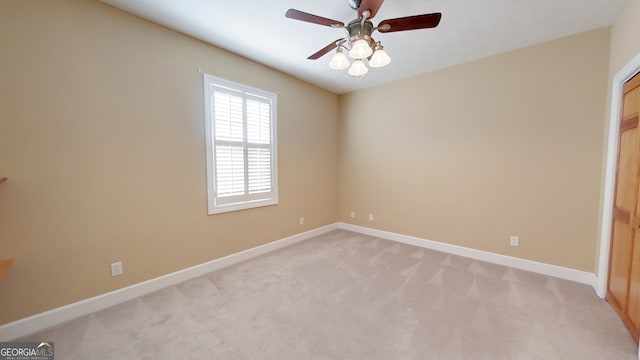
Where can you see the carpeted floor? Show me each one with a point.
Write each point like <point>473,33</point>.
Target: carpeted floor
<point>349,296</point>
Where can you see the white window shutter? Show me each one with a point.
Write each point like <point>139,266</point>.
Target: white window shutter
<point>241,146</point>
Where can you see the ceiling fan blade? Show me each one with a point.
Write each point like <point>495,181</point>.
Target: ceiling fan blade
<point>315,19</point>
<point>371,5</point>
<point>318,54</point>
<point>425,21</point>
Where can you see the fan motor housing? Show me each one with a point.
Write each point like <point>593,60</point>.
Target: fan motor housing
<point>360,29</point>
<point>355,4</point>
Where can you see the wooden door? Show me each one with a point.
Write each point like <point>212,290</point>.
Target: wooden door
<point>623,290</point>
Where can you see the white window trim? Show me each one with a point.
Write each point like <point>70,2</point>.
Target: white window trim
<point>248,201</point>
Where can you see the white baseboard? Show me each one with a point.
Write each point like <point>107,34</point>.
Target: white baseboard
<point>523,264</point>
<point>72,311</point>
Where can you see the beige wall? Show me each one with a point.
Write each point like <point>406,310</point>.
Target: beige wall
<point>507,145</point>
<point>102,138</point>
<point>625,42</point>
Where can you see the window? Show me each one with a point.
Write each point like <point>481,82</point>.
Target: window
<point>241,146</point>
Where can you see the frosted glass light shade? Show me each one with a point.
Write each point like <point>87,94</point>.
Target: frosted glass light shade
<point>339,61</point>
<point>379,58</point>
<point>360,49</point>
<point>358,68</point>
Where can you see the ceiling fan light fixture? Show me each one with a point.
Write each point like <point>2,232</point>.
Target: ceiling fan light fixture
<point>359,43</point>
<point>379,58</point>
<point>358,68</point>
<point>339,61</point>
<point>360,49</point>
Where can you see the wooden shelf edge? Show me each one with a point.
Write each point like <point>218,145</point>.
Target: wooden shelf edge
<point>4,268</point>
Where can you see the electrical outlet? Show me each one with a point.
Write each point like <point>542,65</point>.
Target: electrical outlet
<point>370,217</point>
<point>353,214</point>
<point>515,241</point>
<point>301,220</point>
<point>117,269</point>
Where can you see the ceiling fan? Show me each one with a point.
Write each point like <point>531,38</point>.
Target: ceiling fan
<point>359,43</point>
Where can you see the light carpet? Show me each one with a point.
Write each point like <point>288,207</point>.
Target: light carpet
<point>344,295</point>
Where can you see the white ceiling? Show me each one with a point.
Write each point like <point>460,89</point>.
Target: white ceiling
<point>470,29</point>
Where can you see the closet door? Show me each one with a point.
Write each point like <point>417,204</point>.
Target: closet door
<point>623,291</point>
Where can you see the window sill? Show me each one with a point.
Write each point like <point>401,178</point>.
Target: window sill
<point>242,206</point>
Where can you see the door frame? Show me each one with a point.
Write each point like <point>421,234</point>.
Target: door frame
<point>608,191</point>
